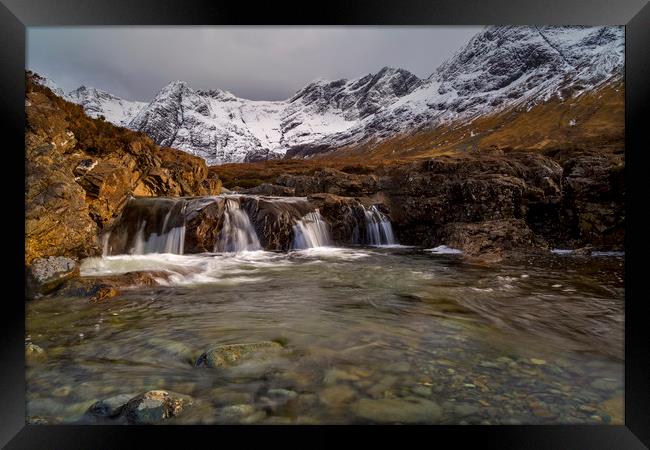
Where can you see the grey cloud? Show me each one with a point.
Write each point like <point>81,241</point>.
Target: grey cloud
<point>269,63</point>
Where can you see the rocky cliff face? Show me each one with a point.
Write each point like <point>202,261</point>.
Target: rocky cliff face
<point>486,204</point>
<point>502,68</point>
<point>81,171</point>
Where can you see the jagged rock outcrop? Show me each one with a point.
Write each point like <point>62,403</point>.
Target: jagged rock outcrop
<point>484,203</point>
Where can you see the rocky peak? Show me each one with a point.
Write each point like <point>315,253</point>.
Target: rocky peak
<point>501,67</point>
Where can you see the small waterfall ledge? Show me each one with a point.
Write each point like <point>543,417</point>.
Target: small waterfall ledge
<point>233,223</point>
<point>311,231</point>
<point>379,230</point>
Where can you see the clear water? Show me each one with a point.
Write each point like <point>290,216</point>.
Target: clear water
<point>368,331</point>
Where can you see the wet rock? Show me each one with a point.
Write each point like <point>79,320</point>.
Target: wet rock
<point>422,391</point>
<point>490,240</point>
<point>110,407</point>
<point>108,185</point>
<point>274,220</point>
<point>399,367</point>
<point>278,420</point>
<point>33,352</point>
<point>615,409</point>
<point>236,411</point>
<point>271,189</point>
<point>465,409</point>
<point>99,288</point>
<point>57,221</point>
<point>282,393</point>
<point>253,418</point>
<point>379,389</point>
<point>333,376</point>
<point>226,355</point>
<point>398,410</point>
<point>331,181</point>
<point>35,420</point>
<point>227,397</point>
<point>605,384</point>
<point>155,406</point>
<point>47,274</point>
<point>337,395</point>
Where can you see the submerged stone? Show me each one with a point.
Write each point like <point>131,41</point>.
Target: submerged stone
<point>226,355</point>
<point>398,410</point>
<point>337,395</point>
<point>109,407</point>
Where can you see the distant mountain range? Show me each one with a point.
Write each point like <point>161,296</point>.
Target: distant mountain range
<point>502,67</point>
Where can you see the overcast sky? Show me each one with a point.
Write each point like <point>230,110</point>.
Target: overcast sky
<point>260,63</point>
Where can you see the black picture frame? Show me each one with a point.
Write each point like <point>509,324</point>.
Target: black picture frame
<point>16,15</point>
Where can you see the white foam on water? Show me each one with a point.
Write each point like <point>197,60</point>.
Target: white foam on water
<point>331,252</point>
<point>444,250</point>
<point>607,253</point>
<point>560,251</point>
<point>215,268</point>
<point>392,246</point>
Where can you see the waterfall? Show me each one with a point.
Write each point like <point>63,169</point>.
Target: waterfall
<point>168,241</point>
<point>106,248</point>
<point>378,228</point>
<point>311,231</point>
<point>238,233</point>
<point>235,223</point>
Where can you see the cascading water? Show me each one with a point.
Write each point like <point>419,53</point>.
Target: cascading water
<point>238,233</point>
<point>235,223</point>
<point>311,231</point>
<point>148,226</point>
<point>378,228</point>
<point>168,241</point>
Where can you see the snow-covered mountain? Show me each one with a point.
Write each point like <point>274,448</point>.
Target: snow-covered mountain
<point>501,67</point>
<point>100,103</point>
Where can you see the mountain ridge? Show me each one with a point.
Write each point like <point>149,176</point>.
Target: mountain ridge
<point>501,67</point>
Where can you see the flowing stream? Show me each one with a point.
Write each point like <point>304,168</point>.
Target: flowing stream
<point>371,335</point>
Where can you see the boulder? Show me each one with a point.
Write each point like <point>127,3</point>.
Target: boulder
<point>155,406</point>
<point>491,240</point>
<point>45,275</point>
<point>150,407</point>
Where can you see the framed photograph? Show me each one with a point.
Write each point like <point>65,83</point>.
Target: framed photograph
<point>386,218</point>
